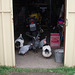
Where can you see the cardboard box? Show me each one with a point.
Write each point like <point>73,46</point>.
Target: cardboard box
<point>55,40</point>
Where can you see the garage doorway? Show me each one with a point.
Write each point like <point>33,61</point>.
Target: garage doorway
<point>51,18</point>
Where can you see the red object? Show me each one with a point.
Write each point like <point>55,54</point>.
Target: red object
<point>44,41</point>
<point>32,22</point>
<point>55,40</point>
<point>60,22</point>
<point>54,34</point>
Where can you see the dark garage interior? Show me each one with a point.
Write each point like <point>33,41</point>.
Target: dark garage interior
<point>49,16</point>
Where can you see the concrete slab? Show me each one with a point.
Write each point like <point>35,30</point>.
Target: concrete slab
<point>36,73</point>
<point>36,60</point>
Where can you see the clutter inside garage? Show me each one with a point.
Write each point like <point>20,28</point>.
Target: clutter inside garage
<point>39,28</point>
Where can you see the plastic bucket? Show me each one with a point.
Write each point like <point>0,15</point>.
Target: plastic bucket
<point>59,55</point>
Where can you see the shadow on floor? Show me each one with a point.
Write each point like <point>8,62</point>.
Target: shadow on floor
<point>36,60</point>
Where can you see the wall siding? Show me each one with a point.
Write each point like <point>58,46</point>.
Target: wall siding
<point>70,35</point>
<point>7,54</point>
<point>1,42</point>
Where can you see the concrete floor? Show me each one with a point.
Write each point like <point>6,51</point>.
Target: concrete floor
<point>36,60</point>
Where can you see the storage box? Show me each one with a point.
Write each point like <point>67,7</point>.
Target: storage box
<point>55,40</point>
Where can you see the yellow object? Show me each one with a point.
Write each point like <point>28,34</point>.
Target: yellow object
<point>37,15</point>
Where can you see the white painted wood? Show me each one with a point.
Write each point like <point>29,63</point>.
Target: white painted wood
<point>71,5</point>
<point>7,53</point>
<point>69,59</point>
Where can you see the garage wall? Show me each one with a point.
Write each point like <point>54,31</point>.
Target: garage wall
<point>7,55</point>
<point>70,34</point>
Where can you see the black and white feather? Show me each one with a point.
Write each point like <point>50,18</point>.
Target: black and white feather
<point>46,51</point>
<point>19,42</point>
